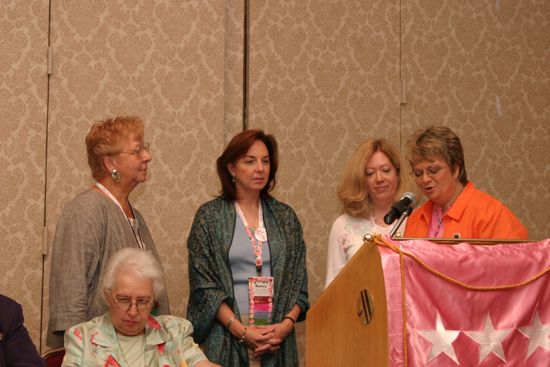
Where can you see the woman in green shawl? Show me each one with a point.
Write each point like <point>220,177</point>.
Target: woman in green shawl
<point>247,262</point>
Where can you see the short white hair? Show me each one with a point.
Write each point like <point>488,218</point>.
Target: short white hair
<point>140,262</point>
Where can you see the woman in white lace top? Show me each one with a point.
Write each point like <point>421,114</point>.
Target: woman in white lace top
<point>372,180</point>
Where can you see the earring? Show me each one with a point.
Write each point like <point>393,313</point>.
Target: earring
<point>115,175</point>
<point>233,178</point>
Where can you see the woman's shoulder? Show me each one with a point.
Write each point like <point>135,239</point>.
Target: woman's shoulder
<point>8,306</point>
<point>178,333</point>
<point>88,198</point>
<point>87,327</point>
<point>480,202</point>
<point>348,222</point>
<point>217,202</point>
<point>170,323</point>
<point>87,204</point>
<point>342,219</point>
<point>278,206</point>
<point>215,205</point>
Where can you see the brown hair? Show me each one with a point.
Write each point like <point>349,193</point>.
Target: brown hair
<point>437,142</point>
<point>106,137</point>
<point>236,149</point>
<point>352,190</point>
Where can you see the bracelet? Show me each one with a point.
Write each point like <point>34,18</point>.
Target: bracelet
<point>230,321</point>
<point>289,318</point>
<point>244,335</point>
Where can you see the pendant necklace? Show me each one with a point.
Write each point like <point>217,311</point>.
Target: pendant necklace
<point>447,207</point>
<point>140,341</point>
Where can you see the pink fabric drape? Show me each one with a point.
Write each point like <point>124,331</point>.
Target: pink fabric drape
<point>448,325</point>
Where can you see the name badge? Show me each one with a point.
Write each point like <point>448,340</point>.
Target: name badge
<point>260,296</point>
<point>260,234</point>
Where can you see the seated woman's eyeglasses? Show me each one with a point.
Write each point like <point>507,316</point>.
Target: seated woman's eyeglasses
<point>431,171</point>
<point>139,150</point>
<point>125,303</point>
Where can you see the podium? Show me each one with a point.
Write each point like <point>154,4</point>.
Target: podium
<point>348,324</point>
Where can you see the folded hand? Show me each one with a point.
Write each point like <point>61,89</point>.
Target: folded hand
<point>278,332</point>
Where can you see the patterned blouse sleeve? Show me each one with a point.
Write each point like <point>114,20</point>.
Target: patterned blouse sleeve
<point>74,348</point>
<point>336,256</point>
<point>191,352</point>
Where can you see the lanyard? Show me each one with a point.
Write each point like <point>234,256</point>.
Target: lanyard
<point>257,239</point>
<point>137,234</point>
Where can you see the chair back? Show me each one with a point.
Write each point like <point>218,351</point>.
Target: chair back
<point>54,357</point>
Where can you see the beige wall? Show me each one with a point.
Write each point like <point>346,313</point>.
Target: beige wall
<point>320,81</point>
<point>163,62</point>
<point>324,75</point>
<point>23,95</point>
<point>483,68</point>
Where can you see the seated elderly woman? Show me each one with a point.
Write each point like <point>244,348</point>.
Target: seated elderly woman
<point>128,335</point>
<point>455,208</point>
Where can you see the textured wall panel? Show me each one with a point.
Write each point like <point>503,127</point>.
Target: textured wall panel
<point>234,70</point>
<point>23,94</point>
<point>324,75</point>
<point>163,61</point>
<point>482,68</point>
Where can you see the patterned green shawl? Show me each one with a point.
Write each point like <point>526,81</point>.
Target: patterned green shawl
<point>211,280</point>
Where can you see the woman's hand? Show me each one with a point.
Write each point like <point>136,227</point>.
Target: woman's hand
<point>256,337</point>
<point>283,329</point>
<point>280,331</point>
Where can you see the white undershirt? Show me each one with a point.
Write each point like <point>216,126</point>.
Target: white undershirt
<point>133,349</point>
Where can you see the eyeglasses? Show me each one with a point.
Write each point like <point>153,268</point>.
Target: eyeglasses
<point>125,303</point>
<point>431,171</point>
<point>146,147</point>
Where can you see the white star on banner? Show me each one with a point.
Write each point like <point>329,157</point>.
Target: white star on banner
<point>538,334</point>
<point>441,340</point>
<point>489,339</point>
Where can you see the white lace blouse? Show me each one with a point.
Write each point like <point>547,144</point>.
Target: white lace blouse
<point>346,237</point>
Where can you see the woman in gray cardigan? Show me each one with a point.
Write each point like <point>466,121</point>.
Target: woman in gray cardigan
<point>97,223</point>
<point>247,233</point>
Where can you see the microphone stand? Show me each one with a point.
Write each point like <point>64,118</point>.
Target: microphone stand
<point>397,224</point>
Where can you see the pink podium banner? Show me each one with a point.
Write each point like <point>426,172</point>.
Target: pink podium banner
<point>468,305</point>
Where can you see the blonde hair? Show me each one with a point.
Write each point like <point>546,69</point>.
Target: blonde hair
<point>352,190</point>
<point>107,137</point>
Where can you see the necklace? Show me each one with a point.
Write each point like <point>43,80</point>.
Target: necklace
<point>133,347</point>
<point>133,222</point>
<point>375,226</point>
<point>441,213</point>
<point>378,228</point>
<point>257,235</point>
<point>373,221</point>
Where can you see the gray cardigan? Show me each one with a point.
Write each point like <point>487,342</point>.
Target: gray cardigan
<point>91,228</point>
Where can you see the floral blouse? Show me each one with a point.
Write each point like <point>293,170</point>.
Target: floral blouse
<point>168,343</point>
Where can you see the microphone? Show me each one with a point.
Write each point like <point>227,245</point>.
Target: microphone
<point>408,200</point>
